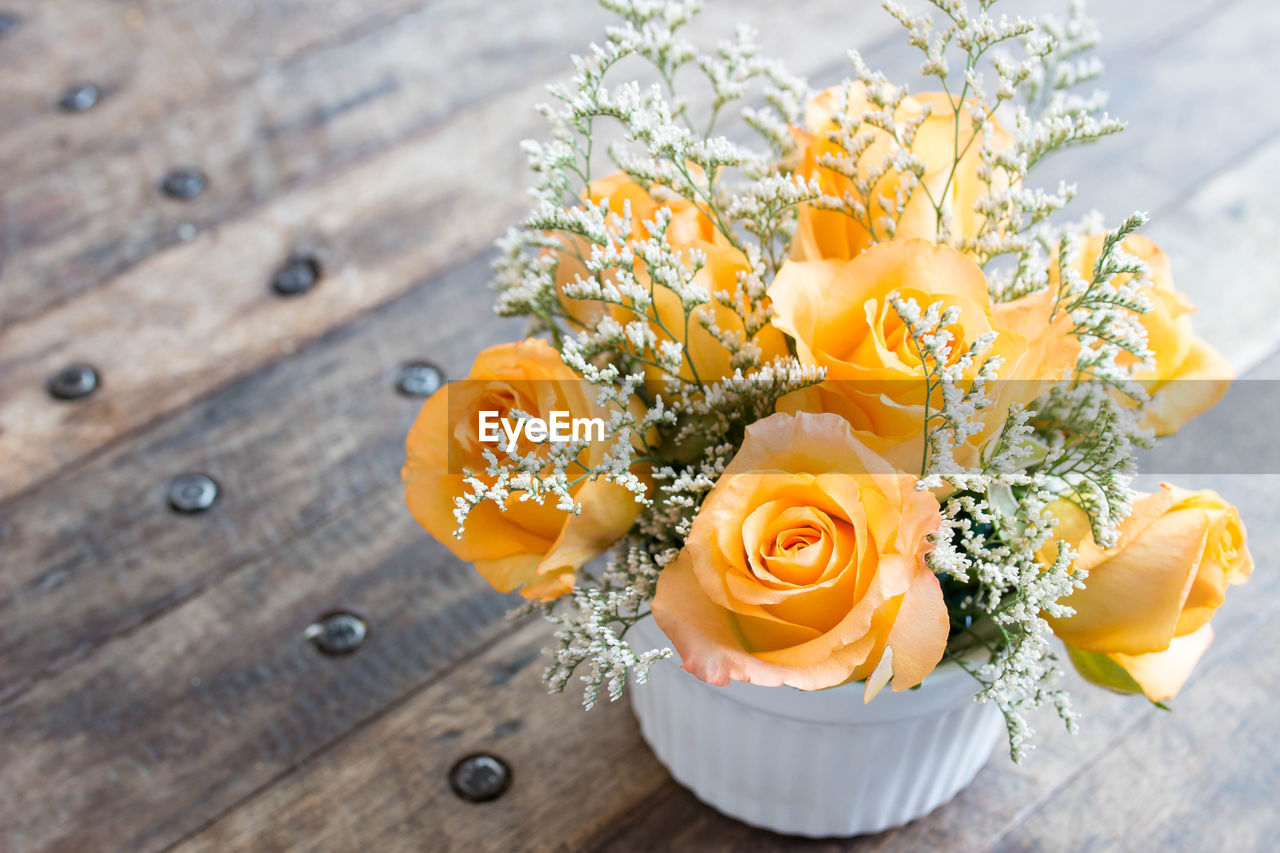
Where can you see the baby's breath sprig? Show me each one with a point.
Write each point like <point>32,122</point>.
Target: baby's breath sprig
<point>1015,110</point>
<point>952,402</point>
<point>1045,114</point>
<point>592,632</point>
<point>856,134</point>
<point>1104,311</point>
<point>1093,436</point>
<point>993,526</point>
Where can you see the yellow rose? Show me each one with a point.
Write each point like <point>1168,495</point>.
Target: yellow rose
<point>1142,620</point>
<point>841,318</point>
<point>825,234</point>
<point>1189,376</point>
<point>691,229</point>
<point>530,544</point>
<point>805,566</point>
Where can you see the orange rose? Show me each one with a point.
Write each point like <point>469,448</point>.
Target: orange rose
<point>530,544</point>
<point>826,234</point>
<point>841,318</point>
<point>1189,376</point>
<point>805,566</point>
<point>691,229</point>
<point>1142,620</point>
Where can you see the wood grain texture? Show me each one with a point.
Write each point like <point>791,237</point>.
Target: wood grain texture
<point>1220,239</point>
<point>573,772</point>
<point>198,708</point>
<point>200,315</point>
<point>93,555</point>
<point>1166,77</point>
<point>72,227</point>
<point>152,57</point>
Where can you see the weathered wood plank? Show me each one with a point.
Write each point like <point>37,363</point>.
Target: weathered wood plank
<point>1167,79</point>
<point>1221,240</point>
<point>69,228</point>
<point>92,555</point>
<point>151,57</point>
<point>573,771</point>
<point>196,317</point>
<point>200,707</point>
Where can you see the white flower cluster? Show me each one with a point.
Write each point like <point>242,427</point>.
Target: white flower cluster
<point>1075,443</point>
<point>993,526</point>
<point>1104,310</point>
<point>1032,98</point>
<point>592,632</point>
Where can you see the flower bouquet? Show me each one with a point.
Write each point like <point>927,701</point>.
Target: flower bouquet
<point>835,402</point>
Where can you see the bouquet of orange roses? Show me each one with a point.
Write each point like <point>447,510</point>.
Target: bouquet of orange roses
<point>836,395</point>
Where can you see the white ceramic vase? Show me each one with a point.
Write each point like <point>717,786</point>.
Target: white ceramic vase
<point>818,763</point>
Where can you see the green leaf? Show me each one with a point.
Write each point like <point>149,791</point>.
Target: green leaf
<point>1100,669</point>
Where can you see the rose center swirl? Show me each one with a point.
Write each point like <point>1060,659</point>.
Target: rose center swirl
<point>796,545</point>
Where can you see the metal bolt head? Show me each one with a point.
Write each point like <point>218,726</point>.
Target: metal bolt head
<point>480,778</point>
<point>73,382</point>
<point>337,633</point>
<point>184,184</point>
<point>299,274</point>
<point>8,23</point>
<point>80,97</point>
<point>418,379</point>
<point>192,492</point>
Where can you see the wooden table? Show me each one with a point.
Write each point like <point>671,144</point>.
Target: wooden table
<point>156,689</point>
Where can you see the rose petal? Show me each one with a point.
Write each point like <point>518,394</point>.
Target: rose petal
<point>880,676</point>
<point>1162,674</point>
